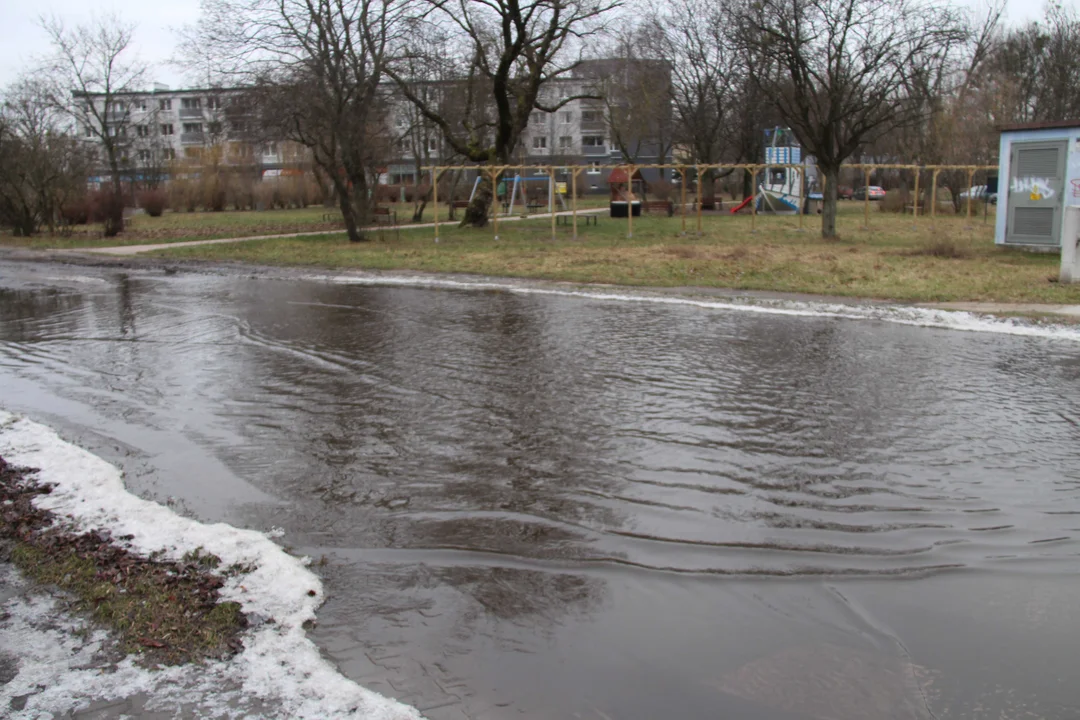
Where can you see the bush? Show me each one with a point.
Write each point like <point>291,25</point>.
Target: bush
<point>894,201</point>
<point>661,189</point>
<point>76,211</point>
<point>153,202</point>
<point>107,207</point>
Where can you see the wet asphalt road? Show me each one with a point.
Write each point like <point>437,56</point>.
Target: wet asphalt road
<point>553,507</point>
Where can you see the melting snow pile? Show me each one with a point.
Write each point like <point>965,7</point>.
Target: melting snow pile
<point>280,669</point>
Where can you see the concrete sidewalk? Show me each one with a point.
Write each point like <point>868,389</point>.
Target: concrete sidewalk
<point>137,249</point>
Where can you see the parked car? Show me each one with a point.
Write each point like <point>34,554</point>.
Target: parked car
<point>844,192</point>
<point>873,191</point>
<point>979,193</point>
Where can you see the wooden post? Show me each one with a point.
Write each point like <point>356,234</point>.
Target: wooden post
<point>753,201</point>
<point>866,198</point>
<point>435,187</point>
<point>630,202</point>
<point>802,194</point>
<point>495,200</point>
<point>682,174</point>
<point>551,198</point>
<point>933,198</point>
<point>573,200</point>
<point>698,169</point>
<point>915,205</point>
<point>971,178</point>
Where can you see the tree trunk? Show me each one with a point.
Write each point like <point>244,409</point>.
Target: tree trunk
<point>476,215</point>
<point>353,202</point>
<point>747,183</point>
<point>708,190</point>
<point>828,208</point>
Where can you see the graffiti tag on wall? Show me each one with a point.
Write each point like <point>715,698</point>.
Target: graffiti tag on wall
<point>1036,188</point>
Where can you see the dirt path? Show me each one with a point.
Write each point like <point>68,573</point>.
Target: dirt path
<point>137,249</point>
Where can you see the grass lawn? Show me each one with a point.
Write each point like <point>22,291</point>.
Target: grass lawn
<point>894,259</point>
<point>180,226</point>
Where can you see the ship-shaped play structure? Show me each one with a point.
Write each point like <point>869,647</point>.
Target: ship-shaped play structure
<point>784,189</point>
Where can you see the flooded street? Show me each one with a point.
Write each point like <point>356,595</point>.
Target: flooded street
<point>538,505</point>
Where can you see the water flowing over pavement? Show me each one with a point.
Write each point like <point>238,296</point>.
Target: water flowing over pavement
<point>546,504</point>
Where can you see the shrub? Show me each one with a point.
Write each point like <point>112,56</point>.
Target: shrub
<point>153,202</point>
<point>661,189</point>
<point>107,207</point>
<point>76,211</point>
<point>894,201</point>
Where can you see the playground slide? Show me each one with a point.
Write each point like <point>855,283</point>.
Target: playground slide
<point>741,205</point>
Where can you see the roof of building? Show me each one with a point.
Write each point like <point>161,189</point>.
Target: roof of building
<point>1055,124</point>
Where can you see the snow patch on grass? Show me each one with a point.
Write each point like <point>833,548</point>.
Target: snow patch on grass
<point>279,668</point>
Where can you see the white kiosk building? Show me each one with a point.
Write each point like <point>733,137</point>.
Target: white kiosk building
<point>1039,169</point>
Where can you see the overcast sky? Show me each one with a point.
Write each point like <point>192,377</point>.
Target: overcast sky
<point>21,39</point>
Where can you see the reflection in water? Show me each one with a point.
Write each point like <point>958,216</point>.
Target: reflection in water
<point>548,505</point>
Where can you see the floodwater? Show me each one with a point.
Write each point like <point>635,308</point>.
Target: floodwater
<point>545,506</point>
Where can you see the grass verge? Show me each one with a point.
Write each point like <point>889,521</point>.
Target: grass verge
<point>896,258</point>
<point>166,611</point>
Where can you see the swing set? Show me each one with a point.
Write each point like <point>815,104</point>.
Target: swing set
<point>518,192</point>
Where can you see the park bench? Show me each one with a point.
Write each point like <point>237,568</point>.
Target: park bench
<point>662,206</point>
<point>586,220</point>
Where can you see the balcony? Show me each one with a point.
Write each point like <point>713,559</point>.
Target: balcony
<point>594,151</point>
<point>192,138</point>
<point>191,113</point>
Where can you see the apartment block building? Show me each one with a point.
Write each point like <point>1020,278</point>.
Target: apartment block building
<point>164,130</point>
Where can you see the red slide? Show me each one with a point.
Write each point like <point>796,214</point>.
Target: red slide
<point>741,205</point>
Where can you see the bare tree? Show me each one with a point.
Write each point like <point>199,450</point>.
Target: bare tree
<point>318,65</point>
<point>91,73</point>
<point>43,167</point>
<point>839,70</point>
<point>507,51</point>
<point>1037,69</point>
<point>634,82</point>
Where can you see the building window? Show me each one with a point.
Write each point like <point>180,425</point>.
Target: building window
<point>568,117</point>
<point>214,128</point>
<point>401,145</point>
<point>164,104</point>
<point>142,130</point>
<point>141,105</point>
<point>144,156</point>
<point>170,154</point>
<point>193,152</point>
<point>590,116</point>
<point>432,144</point>
<point>118,106</point>
<point>592,141</point>
<point>270,149</point>
<point>594,169</point>
<point>193,127</point>
<point>191,104</point>
<point>565,142</point>
<point>538,118</point>
<point>117,131</point>
<point>213,103</point>
<point>539,143</point>
<point>239,127</point>
<point>167,129</point>
<point>88,131</point>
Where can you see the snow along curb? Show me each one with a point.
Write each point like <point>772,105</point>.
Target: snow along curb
<point>279,666</point>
